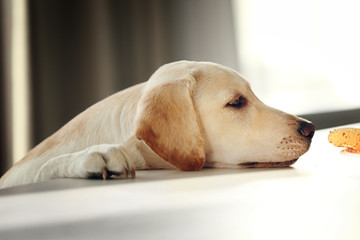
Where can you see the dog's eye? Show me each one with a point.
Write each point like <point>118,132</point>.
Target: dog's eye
<point>238,103</point>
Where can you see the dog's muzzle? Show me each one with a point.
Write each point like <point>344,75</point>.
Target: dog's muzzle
<point>268,164</point>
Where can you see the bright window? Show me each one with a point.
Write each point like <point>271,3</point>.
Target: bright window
<point>301,56</point>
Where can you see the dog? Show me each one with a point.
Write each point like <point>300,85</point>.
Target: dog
<point>186,116</point>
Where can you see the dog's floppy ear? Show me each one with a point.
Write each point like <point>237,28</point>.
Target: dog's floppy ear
<point>167,121</point>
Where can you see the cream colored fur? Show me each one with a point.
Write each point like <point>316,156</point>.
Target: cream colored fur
<point>180,118</point>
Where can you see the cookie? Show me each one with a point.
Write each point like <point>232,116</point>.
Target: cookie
<point>346,137</point>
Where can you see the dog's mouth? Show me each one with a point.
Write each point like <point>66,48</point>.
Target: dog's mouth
<point>268,164</point>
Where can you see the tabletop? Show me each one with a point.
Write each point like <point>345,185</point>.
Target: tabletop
<point>317,198</point>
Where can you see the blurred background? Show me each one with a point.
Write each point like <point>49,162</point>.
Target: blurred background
<point>58,57</point>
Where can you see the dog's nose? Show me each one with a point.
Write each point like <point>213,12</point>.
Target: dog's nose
<point>306,129</point>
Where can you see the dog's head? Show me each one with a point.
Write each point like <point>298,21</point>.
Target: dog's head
<point>195,113</point>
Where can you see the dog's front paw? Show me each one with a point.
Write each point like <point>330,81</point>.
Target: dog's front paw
<point>100,161</point>
<point>108,163</point>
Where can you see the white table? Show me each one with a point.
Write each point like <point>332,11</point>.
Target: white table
<point>317,198</point>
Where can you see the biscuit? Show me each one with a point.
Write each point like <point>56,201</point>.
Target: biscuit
<point>346,137</point>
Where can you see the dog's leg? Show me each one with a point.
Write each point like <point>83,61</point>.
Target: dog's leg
<point>98,161</point>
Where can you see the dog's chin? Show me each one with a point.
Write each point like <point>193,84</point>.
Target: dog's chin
<point>268,164</point>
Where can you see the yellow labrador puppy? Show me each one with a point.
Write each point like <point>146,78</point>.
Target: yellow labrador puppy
<point>186,116</point>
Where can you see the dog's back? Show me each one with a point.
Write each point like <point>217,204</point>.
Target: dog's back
<point>90,127</point>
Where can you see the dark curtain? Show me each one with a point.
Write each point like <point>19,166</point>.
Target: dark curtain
<point>3,146</point>
<point>84,50</point>
<point>5,98</point>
